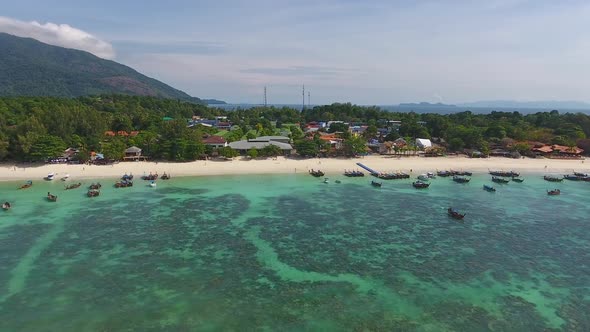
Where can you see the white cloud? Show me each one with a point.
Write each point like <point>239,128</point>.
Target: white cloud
<point>59,35</point>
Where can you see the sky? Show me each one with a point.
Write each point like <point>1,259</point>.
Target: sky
<point>372,52</point>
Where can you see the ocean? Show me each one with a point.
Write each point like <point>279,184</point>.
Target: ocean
<point>291,253</point>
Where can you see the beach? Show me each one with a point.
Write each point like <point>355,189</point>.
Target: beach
<point>282,165</point>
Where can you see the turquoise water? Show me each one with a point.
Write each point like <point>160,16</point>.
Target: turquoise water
<point>291,253</point>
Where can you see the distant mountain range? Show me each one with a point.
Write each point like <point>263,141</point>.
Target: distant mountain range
<point>213,102</point>
<point>424,104</point>
<point>31,68</point>
<point>558,105</point>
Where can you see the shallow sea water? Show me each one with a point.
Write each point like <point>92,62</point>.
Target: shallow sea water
<point>290,253</point>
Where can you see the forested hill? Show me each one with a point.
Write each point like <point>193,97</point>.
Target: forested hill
<point>31,68</point>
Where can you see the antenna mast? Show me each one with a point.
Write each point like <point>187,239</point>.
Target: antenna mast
<point>265,104</point>
<point>303,108</point>
<point>308,99</point>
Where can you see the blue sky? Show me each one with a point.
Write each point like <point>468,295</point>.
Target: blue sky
<point>365,52</point>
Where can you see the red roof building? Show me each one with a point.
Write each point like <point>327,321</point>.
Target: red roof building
<point>215,141</point>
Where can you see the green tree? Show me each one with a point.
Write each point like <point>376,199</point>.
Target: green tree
<point>47,146</point>
<point>114,149</point>
<point>228,152</point>
<point>456,144</point>
<point>355,146</point>
<point>306,148</point>
<point>253,153</point>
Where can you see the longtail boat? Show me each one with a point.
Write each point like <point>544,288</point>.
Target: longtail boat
<point>489,188</point>
<point>27,184</point>
<point>554,192</point>
<point>74,186</point>
<point>454,214</point>
<point>51,198</point>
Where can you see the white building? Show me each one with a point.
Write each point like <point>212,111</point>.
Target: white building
<point>423,143</point>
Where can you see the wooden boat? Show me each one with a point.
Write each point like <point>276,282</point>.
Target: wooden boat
<point>95,186</point>
<point>391,176</point>
<point>518,180</point>
<point>553,192</point>
<point>124,184</point>
<point>165,176</point>
<point>582,175</point>
<point>460,179</point>
<point>49,177</point>
<point>74,186</point>
<point>552,178</point>
<point>127,177</point>
<point>354,174</point>
<point>489,188</point>
<point>572,177</point>
<point>6,206</point>
<point>454,214</point>
<point>587,179</point>
<point>93,192</point>
<point>376,184</point>
<point>317,173</point>
<point>337,181</point>
<point>499,180</point>
<point>443,174</point>
<point>507,174</point>
<point>51,198</point>
<point>27,184</point>
<point>423,177</point>
<point>420,185</point>
<point>65,177</point>
<point>461,173</point>
<point>150,177</point>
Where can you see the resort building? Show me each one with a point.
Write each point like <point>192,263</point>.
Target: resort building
<point>215,141</point>
<point>261,142</point>
<point>558,151</point>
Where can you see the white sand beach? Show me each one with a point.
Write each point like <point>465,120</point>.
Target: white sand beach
<point>281,165</point>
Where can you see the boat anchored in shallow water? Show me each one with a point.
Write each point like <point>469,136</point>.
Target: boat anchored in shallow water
<point>554,192</point>
<point>455,214</point>
<point>489,188</point>
<point>49,177</point>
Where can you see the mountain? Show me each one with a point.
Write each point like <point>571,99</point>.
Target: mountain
<point>424,104</point>
<point>31,68</point>
<point>213,102</point>
<point>549,104</point>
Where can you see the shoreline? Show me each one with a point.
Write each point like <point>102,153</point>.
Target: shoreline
<point>331,166</point>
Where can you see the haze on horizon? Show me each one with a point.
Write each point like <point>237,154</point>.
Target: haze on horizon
<point>370,52</point>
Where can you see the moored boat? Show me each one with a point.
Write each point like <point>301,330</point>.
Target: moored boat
<point>93,193</point>
<point>582,175</point>
<point>49,177</point>
<point>74,186</point>
<point>508,174</point>
<point>150,177</point>
<point>376,184</point>
<point>95,186</point>
<point>572,177</point>
<point>552,178</point>
<point>423,177</point>
<point>499,180</point>
<point>152,184</point>
<point>353,174</point>
<point>51,198</point>
<point>124,184</point>
<point>460,179</point>
<point>317,173</point>
<point>443,173</point>
<point>165,176</point>
<point>518,180</point>
<point>420,185</point>
<point>65,177</point>
<point>127,177</point>
<point>27,184</point>
<point>6,206</point>
<point>489,188</point>
<point>554,192</point>
<point>454,214</point>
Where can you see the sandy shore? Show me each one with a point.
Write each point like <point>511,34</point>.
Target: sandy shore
<point>280,165</point>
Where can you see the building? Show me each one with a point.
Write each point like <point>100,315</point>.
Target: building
<point>423,143</point>
<point>558,151</point>
<point>133,153</point>
<point>260,143</point>
<point>215,141</point>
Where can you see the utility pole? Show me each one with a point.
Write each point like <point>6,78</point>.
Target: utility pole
<point>308,99</point>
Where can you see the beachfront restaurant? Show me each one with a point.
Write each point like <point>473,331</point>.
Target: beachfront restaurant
<point>133,154</point>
